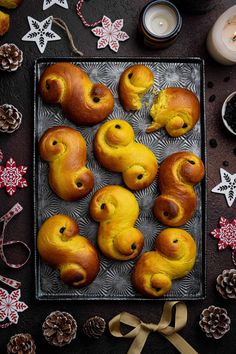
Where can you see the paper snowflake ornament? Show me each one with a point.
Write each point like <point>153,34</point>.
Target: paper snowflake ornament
<point>226,235</point>
<point>227,186</point>
<point>110,34</point>
<point>10,305</point>
<point>40,33</point>
<point>11,176</point>
<point>49,3</point>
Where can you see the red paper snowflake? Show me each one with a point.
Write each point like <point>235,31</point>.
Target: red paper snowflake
<point>10,305</point>
<point>226,235</point>
<point>110,34</point>
<point>11,176</point>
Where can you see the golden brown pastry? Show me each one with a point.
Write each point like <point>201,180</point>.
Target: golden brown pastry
<point>116,209</point>
<point>134,83</point>
<point>60,245</point>
<point>174,257</point>
<point>178,174</point>
<point>116,150</point>
<point>175,108</point>
<point>65,150</point>
<point>82,101</point>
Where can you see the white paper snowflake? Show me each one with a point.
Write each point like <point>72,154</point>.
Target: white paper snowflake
<point>110,34</point>
<point>49,3</point>
<point>10,305</point>
<point>40,33</point>
<point>11,176</point>
<point>227,186</point>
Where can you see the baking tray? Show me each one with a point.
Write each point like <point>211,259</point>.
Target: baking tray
<point>113,281</point>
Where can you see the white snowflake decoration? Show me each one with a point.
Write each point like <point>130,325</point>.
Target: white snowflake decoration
<point>110,34</point>
<point>49,3</point>
<point>227,186</point>
<point>40,33</point>
<point>10,305</point>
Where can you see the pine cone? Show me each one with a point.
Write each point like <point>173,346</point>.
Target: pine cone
<point>214,321</point>
<point>94,327</point>
<point>21,343</point>
<point>10,118</point>
<point>59,328</point>
<point>226,284</point>
<point>11,57</point>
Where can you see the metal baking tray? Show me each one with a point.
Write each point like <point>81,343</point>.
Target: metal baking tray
<point>113,281</point>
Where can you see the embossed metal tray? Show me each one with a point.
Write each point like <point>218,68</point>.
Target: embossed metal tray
<point>113,281</point>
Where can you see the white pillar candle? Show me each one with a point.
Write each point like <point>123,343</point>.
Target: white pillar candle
<point>160,20</point>
<point>221,40</point>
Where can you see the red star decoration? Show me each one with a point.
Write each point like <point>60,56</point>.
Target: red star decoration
<point>11,176</point>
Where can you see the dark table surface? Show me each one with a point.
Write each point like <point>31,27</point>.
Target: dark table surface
<point>17,89</point>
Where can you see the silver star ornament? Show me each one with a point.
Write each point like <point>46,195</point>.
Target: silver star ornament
<point>49,3</point>
<point>227,186</point>
<point>40,33</point>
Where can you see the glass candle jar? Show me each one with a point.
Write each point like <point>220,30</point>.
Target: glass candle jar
<point>159,23</point>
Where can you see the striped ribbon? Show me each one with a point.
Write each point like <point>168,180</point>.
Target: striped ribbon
<point>79,13</point>
<point>16,209</point>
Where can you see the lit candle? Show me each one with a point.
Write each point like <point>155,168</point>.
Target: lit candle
<point>159,23</point>
<point>221,40</point>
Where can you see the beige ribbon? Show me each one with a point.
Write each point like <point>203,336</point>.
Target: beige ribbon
<point>142,330</point>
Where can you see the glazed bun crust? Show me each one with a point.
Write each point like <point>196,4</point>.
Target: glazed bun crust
<point>60,245</point>
<point>175,108</point>
<point>174,257</point>
<point>65,151</point>
<point>116,150</point>
<point>116,209</point>
<point>82,101</point>
<point>178,174</point>
<point>134,83</point>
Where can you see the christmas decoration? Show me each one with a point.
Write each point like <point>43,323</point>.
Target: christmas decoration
<point>21,343</point>
<point>226,284</point>
<point>141,330</point>
<point>10,306</point>
<point>79,13</point>
<point>110,34</point>
<point>11,176</point>
<point>11,57</point>
<point>10,118</point>
<point>49,3</point>
<point>226,235</point>
<point>59,328</point>
<point>94,327</point>
<point>227,186</point>
<point>41,33</point>
<point>215,322</point>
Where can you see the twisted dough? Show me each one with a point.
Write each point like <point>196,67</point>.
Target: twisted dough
<point>134,83</point>
<point>117,210</point>
<point>82,102</point>
<point>178,174</point>
<point>175,108</point>
<point>60,245</point>
<point>116,150</point>
<point>65,149</point>
<point>173,257</point>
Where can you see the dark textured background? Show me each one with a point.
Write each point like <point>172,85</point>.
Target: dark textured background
<point>17,88</point>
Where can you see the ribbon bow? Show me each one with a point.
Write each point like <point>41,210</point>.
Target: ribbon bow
<point>142,330</point>
<point>16,209</point>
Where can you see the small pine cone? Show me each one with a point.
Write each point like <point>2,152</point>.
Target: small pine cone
<point>94,327</point>
<point>21,343</point>
<point>59,328</point>
<point>214,321</point>
<point>226,284</point>
<point>10,118</point>
<point>11,57</point>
